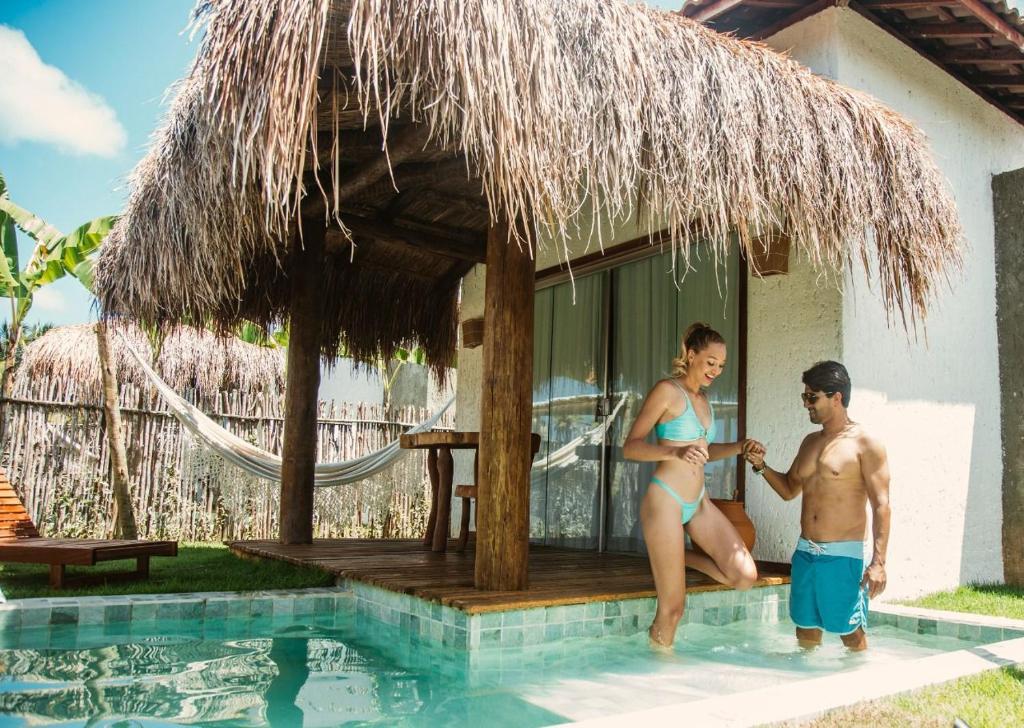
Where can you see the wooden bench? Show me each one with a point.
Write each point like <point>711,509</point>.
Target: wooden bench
<point>20,542</point>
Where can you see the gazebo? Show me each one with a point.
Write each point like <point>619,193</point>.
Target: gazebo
<point>342,164</point>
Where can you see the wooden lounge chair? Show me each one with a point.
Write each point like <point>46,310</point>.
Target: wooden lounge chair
<point>20,542</point>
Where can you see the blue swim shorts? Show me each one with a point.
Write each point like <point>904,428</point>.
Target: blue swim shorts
<point>825,592</point>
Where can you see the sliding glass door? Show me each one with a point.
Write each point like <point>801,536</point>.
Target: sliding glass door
<point>649,316</point>
<point>594,361</point>
<point>569,379</point>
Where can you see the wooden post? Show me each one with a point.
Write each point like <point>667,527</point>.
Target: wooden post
<point>303,385</point>
<point>503,489</point>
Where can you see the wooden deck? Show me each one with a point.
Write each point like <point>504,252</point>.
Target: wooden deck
<point>557,576</point>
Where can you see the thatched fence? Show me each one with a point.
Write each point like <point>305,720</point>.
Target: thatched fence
<point>55,449</point>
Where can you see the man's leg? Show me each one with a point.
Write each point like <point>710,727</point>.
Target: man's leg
<point>803,609</point>
<point>856,641</point>
<point>809,637</point>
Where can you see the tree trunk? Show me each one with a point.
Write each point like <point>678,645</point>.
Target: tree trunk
<point>7,384</point>
<point>303,385</point>
<point>124,515</point>
<point>503,492</point>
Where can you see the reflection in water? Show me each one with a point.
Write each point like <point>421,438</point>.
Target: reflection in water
<point>345,670</point>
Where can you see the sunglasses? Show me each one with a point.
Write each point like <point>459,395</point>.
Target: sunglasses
<point>812,397</point>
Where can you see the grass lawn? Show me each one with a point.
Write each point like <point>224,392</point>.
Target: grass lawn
<point>198,567</point>
<point>994,599</point>
<point>992,699</point>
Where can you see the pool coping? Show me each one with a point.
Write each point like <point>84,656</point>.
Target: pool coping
<point>807,699</point>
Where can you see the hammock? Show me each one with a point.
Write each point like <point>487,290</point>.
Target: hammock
<point>264,464</point>
<point>566,456</point>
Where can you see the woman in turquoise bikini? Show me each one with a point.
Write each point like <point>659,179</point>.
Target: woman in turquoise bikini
<point>684,422</point>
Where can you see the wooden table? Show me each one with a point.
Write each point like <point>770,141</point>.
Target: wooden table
<point>440,466</point>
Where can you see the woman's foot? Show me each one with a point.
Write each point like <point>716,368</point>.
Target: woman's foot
<point>656,640</point>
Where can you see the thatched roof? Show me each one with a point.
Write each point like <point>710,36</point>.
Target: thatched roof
<point>554,110</point>
<point>63,364</point>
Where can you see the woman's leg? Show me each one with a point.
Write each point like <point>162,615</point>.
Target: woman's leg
<point>663,534</point>
<point>729,563</point>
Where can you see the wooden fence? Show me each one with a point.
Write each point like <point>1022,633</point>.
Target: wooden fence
<point>57,456</point>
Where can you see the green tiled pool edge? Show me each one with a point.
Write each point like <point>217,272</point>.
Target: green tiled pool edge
<point>433,623</point>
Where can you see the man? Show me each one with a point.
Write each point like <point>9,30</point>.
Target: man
<point>839,470</point>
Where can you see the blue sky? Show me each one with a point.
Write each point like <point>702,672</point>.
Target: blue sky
<point>67,146</point>
<point>82,87</point>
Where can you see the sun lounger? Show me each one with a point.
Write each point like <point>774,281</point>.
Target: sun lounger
<point>20,542</point>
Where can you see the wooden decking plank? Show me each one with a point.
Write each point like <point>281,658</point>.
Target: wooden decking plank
<point>557,576</point>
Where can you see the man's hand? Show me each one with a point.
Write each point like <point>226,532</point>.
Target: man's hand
<point>754,452</point>
<point>752,446</point>
<point>693,454</point>
<point>874,579</point>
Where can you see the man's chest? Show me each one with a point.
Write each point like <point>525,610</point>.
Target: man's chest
<point>836,460</point>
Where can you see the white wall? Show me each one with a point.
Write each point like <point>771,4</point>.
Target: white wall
<point>935,401</point>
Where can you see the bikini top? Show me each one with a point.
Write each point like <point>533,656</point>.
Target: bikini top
<point>686,427</point>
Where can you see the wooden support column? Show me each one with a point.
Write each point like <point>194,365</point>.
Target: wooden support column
<point>503,493</point>
<point>303,384</point>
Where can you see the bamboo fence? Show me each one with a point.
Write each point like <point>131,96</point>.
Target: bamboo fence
<point>55,451</point>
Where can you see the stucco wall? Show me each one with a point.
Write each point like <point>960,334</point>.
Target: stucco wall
<point>793,322</point>
<point>934,400</point>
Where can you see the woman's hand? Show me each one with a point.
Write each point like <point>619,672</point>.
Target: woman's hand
<point>693,454</point>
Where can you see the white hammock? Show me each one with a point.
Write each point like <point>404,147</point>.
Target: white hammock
<point>264,464</point>
<point>566,456</point>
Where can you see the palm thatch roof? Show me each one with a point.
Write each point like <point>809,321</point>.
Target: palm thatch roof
<point>63,364</point>
<point>403,125</point>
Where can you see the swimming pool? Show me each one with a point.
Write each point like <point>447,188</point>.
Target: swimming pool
<point>348,668</point>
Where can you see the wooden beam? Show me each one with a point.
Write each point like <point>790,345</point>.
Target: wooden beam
<point>305,273</point>
<point>996,56</point>
<point>997,80</point>
<point>506,411</point>
<point>449,243</point>
<point>336,242</point>
<point>410,141</point>
<point>947,30</point>
<point>421,174</point>
<point>956,73</point>
<point>773,3</point>
<point>794,18</point>
<point>989,17</point>
<point>703,13</point>
<point>907,4</point>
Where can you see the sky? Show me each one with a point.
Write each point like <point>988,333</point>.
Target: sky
<point>82,88</point>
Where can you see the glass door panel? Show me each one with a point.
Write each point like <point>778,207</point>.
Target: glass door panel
<point>569,369</point>
<point>649,315</point>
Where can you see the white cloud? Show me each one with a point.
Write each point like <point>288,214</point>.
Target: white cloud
<point>39,103</point>
<point>49,301</point>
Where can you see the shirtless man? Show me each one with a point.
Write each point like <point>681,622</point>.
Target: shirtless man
<point>838,469</point>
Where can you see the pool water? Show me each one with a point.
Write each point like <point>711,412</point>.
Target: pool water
<point>348,669</point>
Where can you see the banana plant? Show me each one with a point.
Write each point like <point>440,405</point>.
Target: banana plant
<point>54,256</point>
<point>389,370</point>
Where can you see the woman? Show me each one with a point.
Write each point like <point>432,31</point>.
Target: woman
<point>684,422</point>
